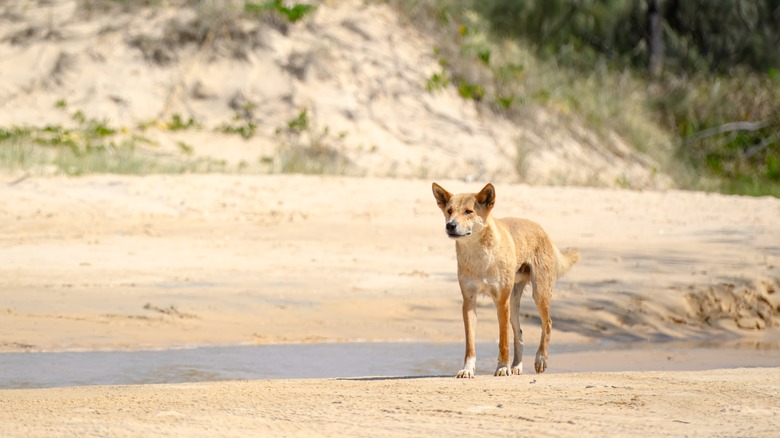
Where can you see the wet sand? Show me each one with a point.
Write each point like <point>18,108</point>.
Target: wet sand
<point>408,359</point>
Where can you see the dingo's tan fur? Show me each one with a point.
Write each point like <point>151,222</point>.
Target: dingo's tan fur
<point>498,257</point>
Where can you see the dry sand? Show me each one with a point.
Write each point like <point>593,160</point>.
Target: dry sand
<point>110,262</point>
<point>739,402</point>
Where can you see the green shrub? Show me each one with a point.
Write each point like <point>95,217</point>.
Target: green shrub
<point>292,14</point>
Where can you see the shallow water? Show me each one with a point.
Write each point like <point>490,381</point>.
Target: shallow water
<point>347,360</point>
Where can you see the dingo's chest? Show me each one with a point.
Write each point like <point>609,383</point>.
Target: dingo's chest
<point>487,285</point>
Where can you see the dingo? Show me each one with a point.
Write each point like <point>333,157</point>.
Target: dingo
<point>498,257</point>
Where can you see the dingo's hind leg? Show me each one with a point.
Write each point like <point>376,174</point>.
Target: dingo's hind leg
<point>542,295</point>
<point>517,293</point>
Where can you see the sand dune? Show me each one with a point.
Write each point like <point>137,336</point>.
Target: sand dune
<point>357,70</point>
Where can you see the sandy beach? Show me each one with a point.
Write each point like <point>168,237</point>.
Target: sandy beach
<point>738,402</point>
<point>132,263</point>
<point>108,262</point>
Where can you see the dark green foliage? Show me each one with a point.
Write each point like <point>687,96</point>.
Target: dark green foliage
<point>718,35</point>
<point>437,81</point>
<point>300,123</point>
<point>484,55</point>
<point>505,102</point>
<point>177,123</point>
<point>728,127</point>
<point>470,91</point>
<point>293,14</point>
<point>718,88</point>
<point>245,128</point>
<point>699,34</point>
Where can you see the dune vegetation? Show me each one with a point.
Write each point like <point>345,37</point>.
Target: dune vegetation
<point>695,86</point>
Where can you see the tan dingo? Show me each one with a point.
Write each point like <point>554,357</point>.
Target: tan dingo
<point>498,257</point>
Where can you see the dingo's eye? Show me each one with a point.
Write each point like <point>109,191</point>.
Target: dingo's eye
<point>449,211</point>
<point>469,211</point>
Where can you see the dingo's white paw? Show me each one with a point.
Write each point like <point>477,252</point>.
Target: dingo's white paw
<point>465,374</point>
<point>517,370</point>
<point>503,371</point>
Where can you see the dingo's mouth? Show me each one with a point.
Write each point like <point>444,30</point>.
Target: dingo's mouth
<point>457,236</point>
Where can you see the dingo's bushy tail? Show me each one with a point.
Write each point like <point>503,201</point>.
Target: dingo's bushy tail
<point>565,259</point>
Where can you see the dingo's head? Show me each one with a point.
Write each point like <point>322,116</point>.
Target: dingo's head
<point>465,213</point>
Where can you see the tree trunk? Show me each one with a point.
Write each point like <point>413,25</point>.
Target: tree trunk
<point>655,38</point>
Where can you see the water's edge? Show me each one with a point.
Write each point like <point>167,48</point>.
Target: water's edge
<point>344,360</point>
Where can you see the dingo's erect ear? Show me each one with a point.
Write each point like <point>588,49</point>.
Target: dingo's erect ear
<point>487,196</point>
<point>442,196</point>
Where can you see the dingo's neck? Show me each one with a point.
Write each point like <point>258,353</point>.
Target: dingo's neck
<point>486,238</point>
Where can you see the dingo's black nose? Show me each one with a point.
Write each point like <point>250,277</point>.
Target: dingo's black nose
<point>451,226</point>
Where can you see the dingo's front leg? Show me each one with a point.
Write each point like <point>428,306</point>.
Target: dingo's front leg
<point>470,324</point>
